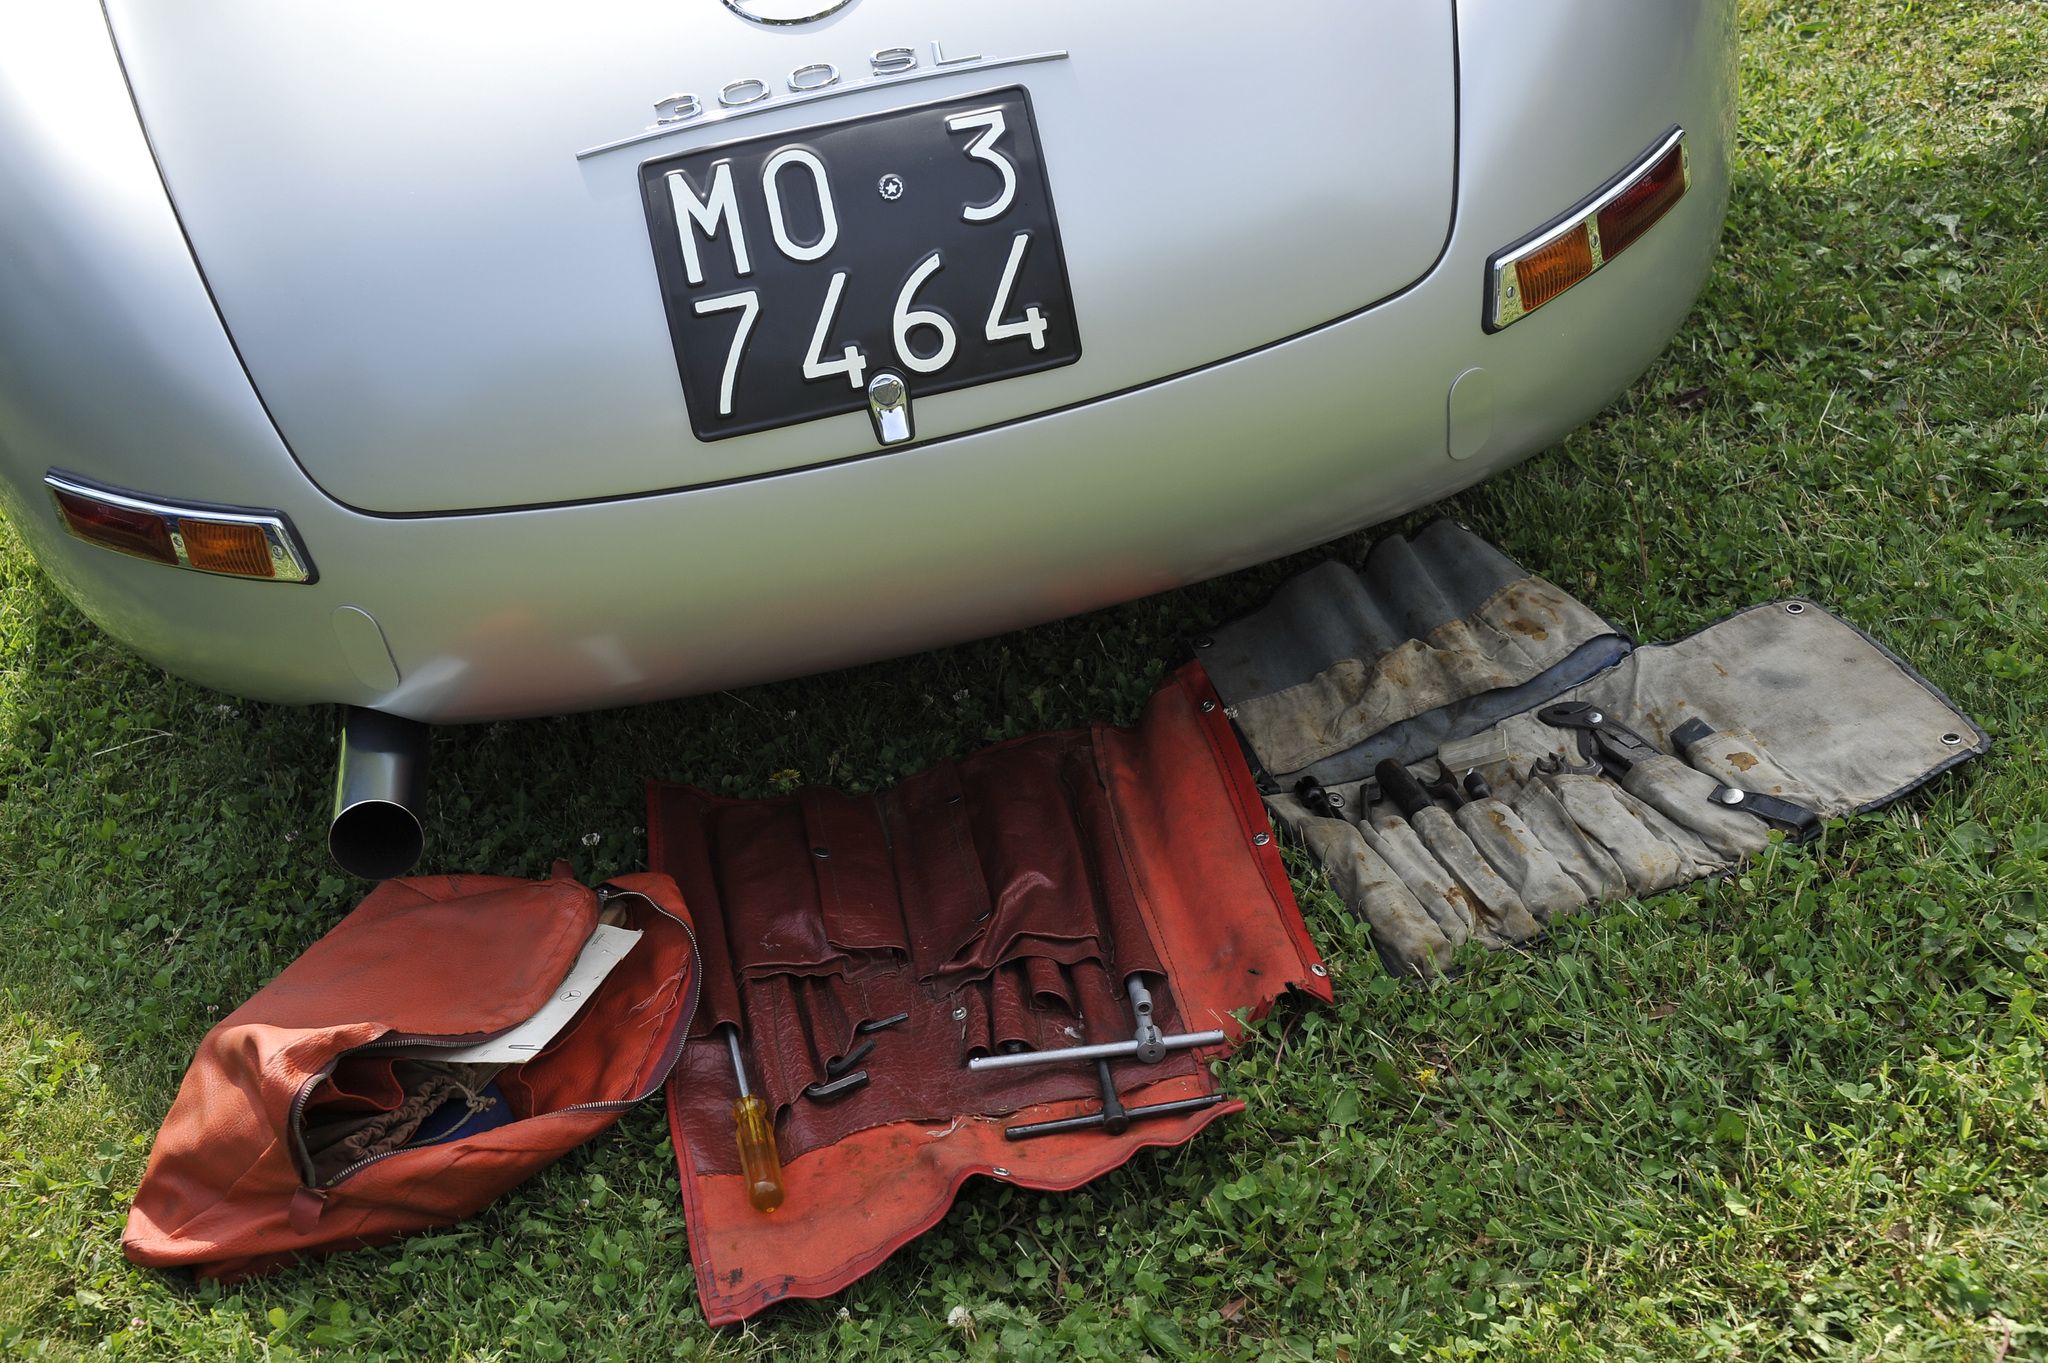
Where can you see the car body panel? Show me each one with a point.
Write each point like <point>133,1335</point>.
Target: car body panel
<point>438,300</point>
<point>125,376</point>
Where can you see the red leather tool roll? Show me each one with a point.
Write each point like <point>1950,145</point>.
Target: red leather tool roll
<point>1000,900</point>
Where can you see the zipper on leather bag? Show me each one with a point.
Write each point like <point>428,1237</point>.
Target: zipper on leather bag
<point>666,1063</point>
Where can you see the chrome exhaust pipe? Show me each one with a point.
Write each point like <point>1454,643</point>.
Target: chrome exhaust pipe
<point>378,788</point>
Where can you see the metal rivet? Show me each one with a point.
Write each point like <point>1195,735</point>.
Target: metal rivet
<point>1952,739</point>
<point>821,852</point>
<point>1205,642</point>
<point>1795,608</point>
<point>1261,839</point>
<point>1000,1172</point>
<point>1336,800</point>
<point>1319,969</point>
<point>959,1015</point>
<point>1207,706</point>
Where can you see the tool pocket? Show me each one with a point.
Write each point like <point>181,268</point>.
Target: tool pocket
<point>1738,759</point>
<point>1512,847</point>
<point>1681,795</point>
<point>1650,862</point>
<point>1581,858</point>
<point>1500,917</point>
<point>1408,939</point>
<point>1436,889</point>
<point>1011,854</point>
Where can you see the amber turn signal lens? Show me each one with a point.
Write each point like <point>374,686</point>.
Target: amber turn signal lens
<point>226,547</point>
<point>1636,209</point>
<point>116,527</point>
<point>1523,277</point>
<point>1547,273</point>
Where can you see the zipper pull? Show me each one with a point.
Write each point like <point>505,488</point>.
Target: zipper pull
<point>307,1204</point>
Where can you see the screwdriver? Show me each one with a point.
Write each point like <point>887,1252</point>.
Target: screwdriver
<point>758,1160</point>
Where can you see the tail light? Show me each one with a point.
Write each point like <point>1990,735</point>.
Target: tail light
<point>232,541</point>
<point>1525,276</point>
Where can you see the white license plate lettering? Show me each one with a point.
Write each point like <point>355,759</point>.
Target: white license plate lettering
<point>892,235</point>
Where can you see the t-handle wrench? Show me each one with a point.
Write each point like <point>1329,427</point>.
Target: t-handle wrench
<point>1148,1045</point>
<point>1114,1118</point>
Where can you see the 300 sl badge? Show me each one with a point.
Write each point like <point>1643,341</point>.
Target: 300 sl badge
<point>816,80</point>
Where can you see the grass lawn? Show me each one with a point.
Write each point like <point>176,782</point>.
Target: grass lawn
<point>1800,1114</point>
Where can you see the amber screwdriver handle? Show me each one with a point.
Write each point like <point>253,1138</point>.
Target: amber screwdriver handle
<point>758,1159</point>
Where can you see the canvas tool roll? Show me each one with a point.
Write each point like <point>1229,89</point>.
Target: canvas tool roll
<point>323,1115</point>
<point>1000,902</point>
<point>1438,728</point>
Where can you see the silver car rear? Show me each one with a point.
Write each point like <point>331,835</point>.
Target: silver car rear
<point>386,272</point>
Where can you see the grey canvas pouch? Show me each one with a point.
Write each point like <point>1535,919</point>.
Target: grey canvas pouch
<point>1440,645</point>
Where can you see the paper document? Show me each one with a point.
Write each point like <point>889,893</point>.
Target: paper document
<point>606,948</point>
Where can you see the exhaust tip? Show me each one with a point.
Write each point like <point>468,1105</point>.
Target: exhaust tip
<point>376,832</point>
<point>376,839</point>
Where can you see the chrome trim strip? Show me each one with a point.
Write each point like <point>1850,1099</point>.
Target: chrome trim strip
<point>1500,268</point>
<point>830,9</point>
<point>711,116</point>
<point>289,561</point>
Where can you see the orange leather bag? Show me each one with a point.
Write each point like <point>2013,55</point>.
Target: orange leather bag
<point>233,1189</point>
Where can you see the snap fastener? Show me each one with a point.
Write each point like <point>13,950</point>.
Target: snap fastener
<point>1795,608</point>
<point>821,852</point>
<point>1261,839</point>
<point>1319,969</point>
<point>1000,1172</point>
<point>1207,706</point>
<point>1952,739</point>
<point>959,1015</point>
<point>1205,642</point>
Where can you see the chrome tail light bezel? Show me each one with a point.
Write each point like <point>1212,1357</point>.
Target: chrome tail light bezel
<point>1503,307</point>
<point>289,561</point>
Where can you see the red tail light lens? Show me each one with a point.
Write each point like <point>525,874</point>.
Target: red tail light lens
<point>208,539</point>
<point>1525,276</point>
<point>1636,209</point>
<point>140,533</point>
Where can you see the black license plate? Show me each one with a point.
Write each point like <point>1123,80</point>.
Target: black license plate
<point>797,267</point>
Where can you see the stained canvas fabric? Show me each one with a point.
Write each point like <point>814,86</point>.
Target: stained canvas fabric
<point>1000,900</point>
<point>1431,639</point>
<point>1781,700</point>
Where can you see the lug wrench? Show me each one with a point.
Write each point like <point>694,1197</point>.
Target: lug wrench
<point>1148,1045</point>
<point>1114,1118</point>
